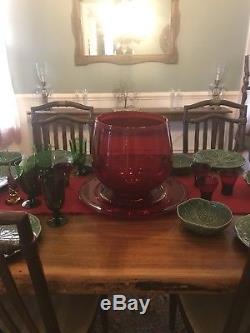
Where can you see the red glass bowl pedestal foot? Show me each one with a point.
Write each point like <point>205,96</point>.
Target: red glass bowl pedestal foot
<point>163,199</point>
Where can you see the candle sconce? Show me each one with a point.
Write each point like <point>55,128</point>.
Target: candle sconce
<point>217,87</point>
<point>43,88</point>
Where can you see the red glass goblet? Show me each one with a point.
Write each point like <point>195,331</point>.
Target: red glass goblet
<point>228,179</point>
<point>207,185</point>
<point>131,154</point>
<point>200,170</point>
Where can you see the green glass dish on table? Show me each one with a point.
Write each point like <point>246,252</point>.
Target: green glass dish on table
<point>181,164</point>
<point>9,237</point>
<point>219,159</point>
<point>204,217</point>
<point>242,228</point>
<point>28,172</point>
<point>10,157</point>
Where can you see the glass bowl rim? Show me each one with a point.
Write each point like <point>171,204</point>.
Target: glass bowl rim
<point>148,115</point>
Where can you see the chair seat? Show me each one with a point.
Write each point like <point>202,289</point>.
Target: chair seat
<point>75,313</point>
<point>208,313</point>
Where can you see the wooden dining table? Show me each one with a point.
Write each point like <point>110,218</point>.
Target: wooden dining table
<point>95,254</point>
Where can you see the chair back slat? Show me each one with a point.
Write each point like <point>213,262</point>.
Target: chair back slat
<point>217,124</point>
<point>241,136</point>
<point>72,133</point>
<point>221,134</point>
<point>37,136</point>
<point>230,136</point>
<point>196,137</point>
<point>46,136</point>
<point>205,128</point>
<point>55,135</point>
<point>64,137</point>
<point>214,133</point>
<point>30,253</point>
<point>185,131</point>
<point>80,128</point>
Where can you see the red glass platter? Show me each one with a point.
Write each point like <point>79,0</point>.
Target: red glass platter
<point>161,200</point>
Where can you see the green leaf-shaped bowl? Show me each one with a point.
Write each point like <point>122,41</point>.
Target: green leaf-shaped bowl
<point>242,228</point>
<point>219,159</point>
<point>181,164</point>
<point>9,237</point>
<point>204,217</point>
<point>7,157</point>
<point>180,161</point>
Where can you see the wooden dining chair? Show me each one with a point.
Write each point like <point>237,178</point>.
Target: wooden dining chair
<point>217,128</point>
<point>245,85</point>
<point>18,314</point>
<point>223,313</point>
<point>55,132</point>
<point>244,94</point>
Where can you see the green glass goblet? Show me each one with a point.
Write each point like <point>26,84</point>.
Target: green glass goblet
<point>53,186</point>
<point>29,180</point>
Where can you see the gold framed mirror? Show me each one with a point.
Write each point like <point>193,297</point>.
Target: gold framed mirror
<point>125,31</point>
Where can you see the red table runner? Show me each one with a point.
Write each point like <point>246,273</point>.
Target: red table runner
<point>72,204</point>
<point>239,202</point>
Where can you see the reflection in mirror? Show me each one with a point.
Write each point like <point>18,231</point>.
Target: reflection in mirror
<point>125,31</point>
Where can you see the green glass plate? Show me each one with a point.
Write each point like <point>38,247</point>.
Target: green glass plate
<point>180,161</point>
<point>220,159</point>
<point>7,157</point>
<point>204,217</point>
<point>242,228</point>
<point>9,238</point>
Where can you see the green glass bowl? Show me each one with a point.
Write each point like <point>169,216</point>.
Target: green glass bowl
<point>204,217</point>
<point>181,164</point>
<point>9,157</point>
<point>219,159</point>
<point>242,228</point>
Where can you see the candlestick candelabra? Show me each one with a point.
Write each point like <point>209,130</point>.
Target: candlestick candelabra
<point>125,100</point>
<point>217,86</point>
<point>43,87</point>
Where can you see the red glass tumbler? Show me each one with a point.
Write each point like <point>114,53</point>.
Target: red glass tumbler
<point>200,170</point>
<point>228,179</point>
<point>207,185</point>
<point>131,154</point>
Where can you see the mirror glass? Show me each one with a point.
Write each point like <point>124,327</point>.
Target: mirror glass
<point>125,31</point>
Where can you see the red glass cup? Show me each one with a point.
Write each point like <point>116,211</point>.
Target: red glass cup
<point>228,179</point>
<point>131,153</point>
<point>200,170</point>
<point>207,185</point>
